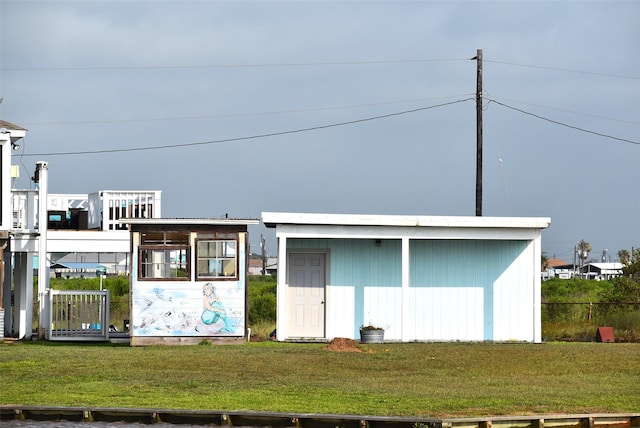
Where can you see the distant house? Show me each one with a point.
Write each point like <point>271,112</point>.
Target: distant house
<point>421,278</point>
<point>602,271</point>
<point>597,271</point>
<point>270,266</point>
<point>84,265</point>
<point>557,268</point>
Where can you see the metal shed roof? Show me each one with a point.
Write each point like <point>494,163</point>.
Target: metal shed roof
<point>271,219</point>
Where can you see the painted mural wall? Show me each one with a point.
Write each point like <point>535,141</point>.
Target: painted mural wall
<point>189,308</point>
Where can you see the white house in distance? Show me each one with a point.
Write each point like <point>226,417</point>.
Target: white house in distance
<point>421,278</point>
<point>602,271</point>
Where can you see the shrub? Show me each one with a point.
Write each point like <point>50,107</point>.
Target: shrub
<point>262,299</point>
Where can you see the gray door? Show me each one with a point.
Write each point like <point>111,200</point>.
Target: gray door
<point>306,294</point>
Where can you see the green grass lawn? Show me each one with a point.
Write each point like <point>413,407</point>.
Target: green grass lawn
<point>415,379</point>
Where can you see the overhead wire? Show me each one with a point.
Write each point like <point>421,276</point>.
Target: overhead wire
<point>577,128</point>
<point>250,137</point>
<point>595,116</point>
<point>193,66</point>
<point>565,70</point>
<point>332,125</point>
<point>308,64</point>
<point>491,100</point>
<point>229,115</point>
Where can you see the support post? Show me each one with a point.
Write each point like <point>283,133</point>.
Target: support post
<point>42,178</point>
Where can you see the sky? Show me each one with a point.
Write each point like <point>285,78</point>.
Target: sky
<point>349,107</point>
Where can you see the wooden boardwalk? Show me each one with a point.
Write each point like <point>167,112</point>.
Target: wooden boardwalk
<point>299,420</point>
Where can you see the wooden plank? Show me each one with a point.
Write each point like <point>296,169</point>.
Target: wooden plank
<point>265,419</point>
<point>182,340</point>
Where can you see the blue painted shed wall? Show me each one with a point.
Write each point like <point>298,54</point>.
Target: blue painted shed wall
<point>451,289</point>
<point>463,275</point>
<point>453,263</point>
<point>359,264</point>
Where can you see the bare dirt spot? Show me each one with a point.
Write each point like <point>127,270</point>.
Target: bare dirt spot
<point>342,344</point>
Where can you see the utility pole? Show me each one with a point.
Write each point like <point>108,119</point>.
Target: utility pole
<point>263,245</point>
<point>478,59</point>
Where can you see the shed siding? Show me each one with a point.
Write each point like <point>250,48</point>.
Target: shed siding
<point>470,290</point>
<point>513,299</point>
<point>374,273</point>
<point>467,289</point>
<point>340,310</point>
<point>364,284</point>
<point>433,317</point>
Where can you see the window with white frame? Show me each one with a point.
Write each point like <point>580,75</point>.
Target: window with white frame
<point>217,258</point>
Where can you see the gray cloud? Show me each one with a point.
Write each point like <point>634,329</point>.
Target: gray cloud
<point>85,75</point>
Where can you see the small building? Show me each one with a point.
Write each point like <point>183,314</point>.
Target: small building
<point>263,267</point>
<point>557,268</point>
<point>84,265</point>
<point>602,271</point>
<point>188,280</point>
<point>421,278</point>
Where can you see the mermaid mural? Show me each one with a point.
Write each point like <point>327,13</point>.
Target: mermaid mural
<point>214,311</point>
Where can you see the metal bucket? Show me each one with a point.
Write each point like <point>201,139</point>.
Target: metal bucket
<point>371,336</point>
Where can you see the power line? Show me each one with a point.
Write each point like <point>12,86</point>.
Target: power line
<point>631,122</point>
<point>221,116</point>
<point>619,76</point>
<point>251,137</point>
<point>303,64</point>
<point>565,124</point>
<point>315,128</point>
<point>193,66</point>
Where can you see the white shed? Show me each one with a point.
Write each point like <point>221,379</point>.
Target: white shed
<point>421,278</point>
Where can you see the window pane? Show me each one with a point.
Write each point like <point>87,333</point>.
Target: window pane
<point>151,238</point>
<point>164,263</point>
<point>217,258</point>
<point>230,249</point>
<point>165,238</point>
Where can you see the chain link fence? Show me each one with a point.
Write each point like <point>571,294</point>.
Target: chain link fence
<point>561,321</point>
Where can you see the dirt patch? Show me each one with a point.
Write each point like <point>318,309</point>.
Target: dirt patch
<point>342,344</point>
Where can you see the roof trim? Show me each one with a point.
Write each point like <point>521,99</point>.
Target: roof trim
<point>15,132</point>
<point>190,221</point>
<point>11,126</point>
<point>77,265</point>
<point>271,219</point>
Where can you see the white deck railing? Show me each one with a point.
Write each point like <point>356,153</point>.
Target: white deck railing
<point>78,315</point>
<point>104,208</point>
